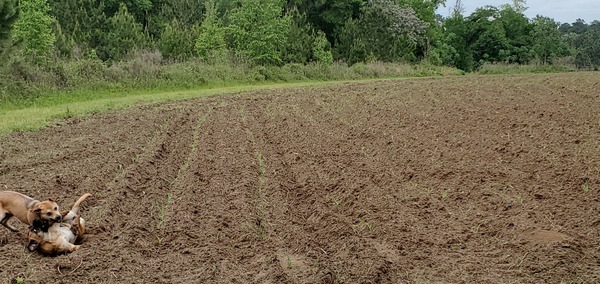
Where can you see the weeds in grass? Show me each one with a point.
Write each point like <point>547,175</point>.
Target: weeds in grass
<point>337,202</point>
<point>20,279</point>
<point>138,73</point>
<point>68,113</point>
<point>289,262</point>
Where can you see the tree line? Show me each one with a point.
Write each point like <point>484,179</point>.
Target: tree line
<point>279,32</point>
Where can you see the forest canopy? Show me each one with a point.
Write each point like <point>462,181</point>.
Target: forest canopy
<point>44,33</point>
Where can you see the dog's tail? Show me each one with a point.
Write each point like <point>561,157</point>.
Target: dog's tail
<point>75,209</point>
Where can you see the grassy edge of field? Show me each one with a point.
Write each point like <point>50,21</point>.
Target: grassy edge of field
<point>44,114</point>
<point>51,109</point>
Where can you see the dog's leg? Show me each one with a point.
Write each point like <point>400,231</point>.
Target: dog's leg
<point>4,217</point>
<point>80,223</point>
<point>63,246</point>
<point>73,248</point>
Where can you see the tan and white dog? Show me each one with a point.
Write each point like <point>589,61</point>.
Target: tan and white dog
<point>26,209</point>
<point>60,237</point>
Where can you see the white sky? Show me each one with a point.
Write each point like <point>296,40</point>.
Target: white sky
<point>564,11</point>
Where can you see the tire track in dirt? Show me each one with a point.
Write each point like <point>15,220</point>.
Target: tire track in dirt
<point>42,165</point>
<point>146,185</point>
<point>116,224</point>
<point>272,206</point>
<point>445,207</point>
<point>324,190</point>
<point>223,176</point>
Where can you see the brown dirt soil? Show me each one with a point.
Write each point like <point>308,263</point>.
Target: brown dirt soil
<point>491,179</point>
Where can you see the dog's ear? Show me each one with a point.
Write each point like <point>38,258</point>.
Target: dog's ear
<point>36,210</point>
<point>53,199</point>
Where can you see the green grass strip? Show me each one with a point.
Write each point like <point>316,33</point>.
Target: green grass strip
<point>50,109</point>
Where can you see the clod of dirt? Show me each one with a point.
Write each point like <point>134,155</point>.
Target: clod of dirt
<point>545,237</point>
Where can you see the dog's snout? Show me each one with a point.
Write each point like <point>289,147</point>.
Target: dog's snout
<point>57,218</point>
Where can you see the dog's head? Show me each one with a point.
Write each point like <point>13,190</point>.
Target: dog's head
<point>35,238</point>
<point>47,211</point>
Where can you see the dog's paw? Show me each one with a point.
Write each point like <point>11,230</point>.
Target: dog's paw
<point>32,246</point>
<point>74,248</point>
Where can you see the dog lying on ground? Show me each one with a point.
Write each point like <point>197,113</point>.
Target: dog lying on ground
<point>26,209</point>
<point>60,237</point>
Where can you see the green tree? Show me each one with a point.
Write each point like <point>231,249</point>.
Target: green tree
<point>392,32</point>
<point>33,30</point>
<point>82,22</point>
<point>139,9</point>
<point>330,16</point>
<point>211,37</point>
<point>456,50</point>
<point>188,13</point>
<point>124,35</point>
<point>548,43</point>
<point>349,45</point>
<point>487,37</point>
<point>425,10</point>
<point>519,6</point>
<point>8,14</point>
<point>177,41</point>
<point>145,12</point>
<point>259,30</point>
<point>63,44</point>
<point>300,39</point>
<point>322,49</point>
<point>588,48</point>
<point>579,26</point>
<point>517,30</point>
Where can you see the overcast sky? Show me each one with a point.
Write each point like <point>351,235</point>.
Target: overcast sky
<point>564,11</point>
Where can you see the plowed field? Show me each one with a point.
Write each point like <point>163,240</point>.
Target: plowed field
<point>477,179</point>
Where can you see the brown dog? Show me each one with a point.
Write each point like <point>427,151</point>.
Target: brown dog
<point>26,209</point>
<point>60,237</point>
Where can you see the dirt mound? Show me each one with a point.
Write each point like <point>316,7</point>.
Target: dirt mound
<point>456,180</point>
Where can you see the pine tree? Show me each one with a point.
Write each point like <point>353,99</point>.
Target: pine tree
<point>81,21</point>
<point>177,41</point>
<point>8,14</point>
<point>300,38</point>
<point>124,35</point>
<point>211,37</point>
